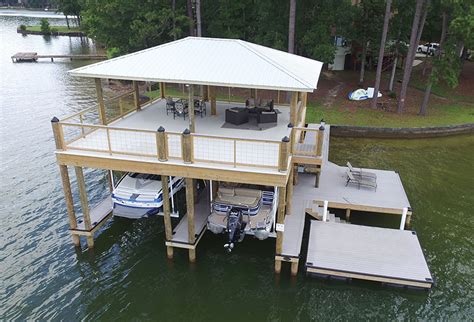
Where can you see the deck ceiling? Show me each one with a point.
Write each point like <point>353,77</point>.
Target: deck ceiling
<point>212,61</point>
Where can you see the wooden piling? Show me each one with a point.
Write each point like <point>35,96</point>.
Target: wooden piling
<point>212,97</point>
<point>316,180</point>
<point>191,115</point>
<point>84,203</point>
<point>280,220</point>
<point>289,191</point>
<point>100,100</point>
<point>294,108</point>
<point>348,214</point>
<point>167,214</point>
<point>162,90</point>
<point>58,138</point>
<point>294,268</point>
<point>136,95</point>
<point>190,215</point>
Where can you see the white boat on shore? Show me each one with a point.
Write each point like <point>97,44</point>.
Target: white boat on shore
<point>139,195</point>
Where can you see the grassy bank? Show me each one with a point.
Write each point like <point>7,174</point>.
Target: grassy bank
<point>63,29</point>
<point>439,115</point>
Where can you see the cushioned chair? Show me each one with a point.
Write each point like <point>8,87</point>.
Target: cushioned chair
<point>237,116</point>
<point>267,117</point>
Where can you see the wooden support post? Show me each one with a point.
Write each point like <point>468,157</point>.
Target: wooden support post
<point>304,99</point>
<point>280,220</point>
<point>295,174</point>
<point>277,266</point>
<point>192,125</point>
<point>162,90</point>
<point>187,146</point>
<point>205,93</point>
<point>348,214</point>
<point>136,95</point>
<point>84,204</point>
<point>320,138</point>
<point>289,191</point>
<point>212,97</point>
<point>215,187</point>
<point>284,154</point>
<point>58,138</point>
<point>167,214</point>
<point>294,268</point>
<point>100,100</point>
<point>110,175</point>
<point>293,108</point>
<point>316,180</point>
<point>161,147</point>
<point>190,215</point>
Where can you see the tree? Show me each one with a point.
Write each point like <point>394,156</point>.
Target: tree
<point>381,53</point>
<point>416,30</point>
<point>198,18</point>
<point>189,6</point>
<point>70,8</point>
<point>291,27</point>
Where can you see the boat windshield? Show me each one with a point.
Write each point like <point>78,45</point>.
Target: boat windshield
<point>145,176</point>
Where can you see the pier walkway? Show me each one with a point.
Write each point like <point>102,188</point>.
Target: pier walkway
<point>385,255</point>
<point>33,57</point>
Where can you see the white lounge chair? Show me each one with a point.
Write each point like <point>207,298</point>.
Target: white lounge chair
<point>360,173</point>
<point>359,181</point>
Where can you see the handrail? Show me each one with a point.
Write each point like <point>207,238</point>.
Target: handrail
<point>82,112</point>
<point>118,96</point>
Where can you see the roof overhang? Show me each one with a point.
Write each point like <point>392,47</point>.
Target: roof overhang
<point>212,61</point>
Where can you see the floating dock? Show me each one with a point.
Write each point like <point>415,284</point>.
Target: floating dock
<point>33,57</point>
<point>369,253</point>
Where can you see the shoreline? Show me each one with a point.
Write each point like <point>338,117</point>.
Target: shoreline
<point>56,33</point>
<point>402,132</point>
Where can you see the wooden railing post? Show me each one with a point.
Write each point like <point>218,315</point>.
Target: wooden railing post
<point>162,90</point>
<point>58,133</point>
<point>108,140</point>
<point>292,138</point>
<point>136,95</point>
<point>187,146</point>
<point>284,154</point>
<point>161,148</point>
<point>167,214</point>
<point>191,115</point>
<point>121,106</point>
<point>320,141</point>
<point>100,100</point>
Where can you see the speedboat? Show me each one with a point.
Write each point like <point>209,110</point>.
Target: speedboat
<point>139,195</point>
<point>242,211</point>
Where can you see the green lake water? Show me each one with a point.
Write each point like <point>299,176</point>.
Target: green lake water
<point>127,276</point>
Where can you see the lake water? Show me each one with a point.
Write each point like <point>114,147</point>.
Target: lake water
<point>127,276</point>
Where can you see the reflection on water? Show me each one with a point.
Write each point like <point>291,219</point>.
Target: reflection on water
<point>127,275</point>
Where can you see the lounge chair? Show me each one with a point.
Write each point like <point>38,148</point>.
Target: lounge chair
<point>359,181</point>
<point>360,173</point>
<point>181,109</point>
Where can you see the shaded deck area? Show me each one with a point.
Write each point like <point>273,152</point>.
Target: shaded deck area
<point>369,253</point>
<point>98,216</point>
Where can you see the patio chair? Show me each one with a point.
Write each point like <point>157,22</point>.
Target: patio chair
<point>359,181</point>
<point>170,105</point>
<point>200,107</point>
<point>360,173</point>
<point>181,109</point>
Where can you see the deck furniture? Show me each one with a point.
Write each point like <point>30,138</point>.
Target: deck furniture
<point>267,117</point>
<point>237,115</point>
<point>200,107</point>
<point>170,105</point>
<point>359,181</point>
<point>360,173</point>
<point>181,108</point>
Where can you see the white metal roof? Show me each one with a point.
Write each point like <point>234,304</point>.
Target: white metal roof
<point>212,61</point>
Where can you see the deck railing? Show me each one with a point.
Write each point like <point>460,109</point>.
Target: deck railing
<point>164,146</point>
<point>307,141</point>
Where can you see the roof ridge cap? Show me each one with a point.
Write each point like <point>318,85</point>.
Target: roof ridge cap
<point>271,61</point>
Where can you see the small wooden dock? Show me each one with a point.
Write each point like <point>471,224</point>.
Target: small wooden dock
<point>33,57</point>
<point>390,256</point>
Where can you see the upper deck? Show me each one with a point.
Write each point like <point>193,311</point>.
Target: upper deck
<point>132,136</point>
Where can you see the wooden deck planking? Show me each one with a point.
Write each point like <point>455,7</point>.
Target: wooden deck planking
<point>363,252</point>
<point>180,233</point>
<point>99,215</point>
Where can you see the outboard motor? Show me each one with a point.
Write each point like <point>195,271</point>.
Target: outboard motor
<point>235,228</point>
